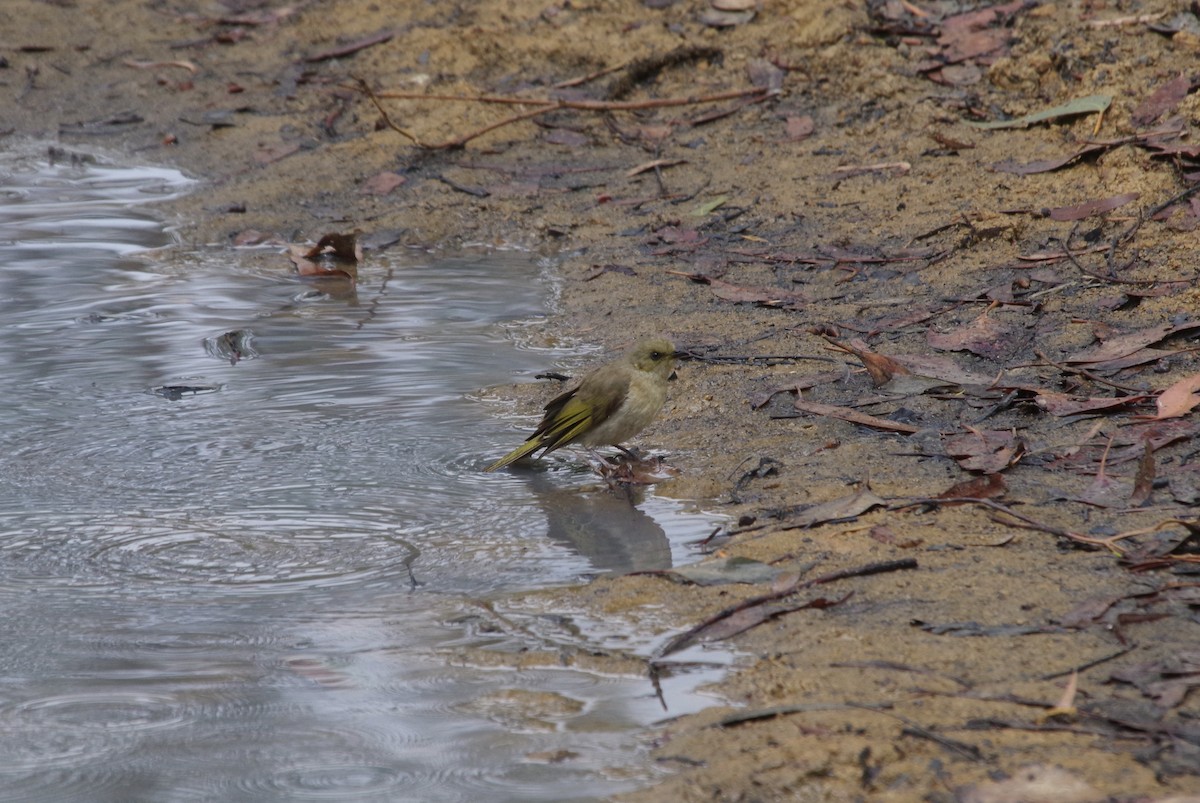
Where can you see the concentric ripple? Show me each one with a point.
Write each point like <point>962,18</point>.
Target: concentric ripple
<point>240,515</point>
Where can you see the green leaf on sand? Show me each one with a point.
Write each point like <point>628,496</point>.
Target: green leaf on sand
<point>708,208</point>
<point>1092,104</point>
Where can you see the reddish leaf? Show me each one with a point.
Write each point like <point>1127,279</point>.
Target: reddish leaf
<point>798,128</point>
<point>986,451</point>
<point>739,294</point>
<point>1127,343</point>
<point>382,183</point>
<point>1179,399</point>
<point>989,486</point>
<point>1163,100</point>
<point>1060,404</point>
<point>884,535</point>
<point>1090,208</point>
<point>840,509</point>
<point>853,416</point>
<point>986,336</point>
<point>1143,480</point>
<point>1046,165</point>
<point>880,367</point>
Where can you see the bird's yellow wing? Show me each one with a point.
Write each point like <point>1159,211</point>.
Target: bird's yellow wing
<point>571,415</point>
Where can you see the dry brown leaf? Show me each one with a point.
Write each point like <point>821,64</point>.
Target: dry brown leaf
<point>382,183</point>
<point>880,367</point>
<point>987,451</point>
<point>1163,100</point>
<point>1060,404</point>
<point>798,128</point>
<point>652,165</point>
<point>1143,479</point>
<point>986,336</point>
<point>853,416</point>
<point>881,167</point>
<point>1090,208</point>
<point>1126,343</point>
<point>989,486</point>
<point>840,509</point>
<point>1179,399</point>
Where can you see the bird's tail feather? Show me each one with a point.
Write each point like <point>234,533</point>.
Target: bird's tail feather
<point>524,450</point>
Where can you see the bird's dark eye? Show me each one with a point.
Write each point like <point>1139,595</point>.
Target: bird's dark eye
<point>656,355</point>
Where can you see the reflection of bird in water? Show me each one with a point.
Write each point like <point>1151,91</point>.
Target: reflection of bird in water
<point>612,404</point>
<point>602,525</point>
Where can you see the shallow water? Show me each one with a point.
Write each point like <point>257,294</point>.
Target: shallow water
<point>243,523</point>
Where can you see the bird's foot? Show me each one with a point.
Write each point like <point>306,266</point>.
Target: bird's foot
<point>633,469</point>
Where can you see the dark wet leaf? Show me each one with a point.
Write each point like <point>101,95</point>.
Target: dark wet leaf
<point>234,346</point>
<point>973,629</point>
<point>1167,681</point>
<point>341,247</point>
<point>177,392</point>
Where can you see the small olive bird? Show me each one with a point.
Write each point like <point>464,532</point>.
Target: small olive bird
<point>612,404</point>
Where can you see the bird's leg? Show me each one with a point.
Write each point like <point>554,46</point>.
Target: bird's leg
<point>632,454</point>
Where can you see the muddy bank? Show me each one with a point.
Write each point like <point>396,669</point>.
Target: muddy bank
<point>1037,278</point>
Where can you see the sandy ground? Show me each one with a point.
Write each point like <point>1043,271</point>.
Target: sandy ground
<point>836,188</point>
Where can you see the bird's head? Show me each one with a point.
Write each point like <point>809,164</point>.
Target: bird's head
<point>655,356</point>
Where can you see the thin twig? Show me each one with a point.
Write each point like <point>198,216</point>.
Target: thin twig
<point>584,105</point>
<point>458,142</point>
<point>684,639</point>
<point>365,88</point>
